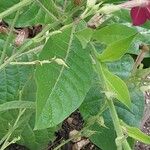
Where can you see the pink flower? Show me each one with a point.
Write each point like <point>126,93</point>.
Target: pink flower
<point>140,11</point>
<point>140,15</point>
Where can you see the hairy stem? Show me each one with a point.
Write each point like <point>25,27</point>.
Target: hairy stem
<point>22,49</point>
<point>63,143</point>
<point>112,109</point>
<point>35,50</point>
<point>117,126</point>
<point>8,39</point>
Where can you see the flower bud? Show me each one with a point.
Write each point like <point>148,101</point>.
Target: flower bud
<point>91,3</point>
<point>109,8</point>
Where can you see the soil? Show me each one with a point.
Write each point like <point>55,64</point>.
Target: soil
<point>73,123</point>
<point>17,147</point>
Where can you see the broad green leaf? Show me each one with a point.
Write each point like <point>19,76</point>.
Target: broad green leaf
<point>38,139</point>
<point>7,4</point>
<point>32,14</point>
<point>116,50</point>
<point>85,36</point>
<point>12,80</point>
<point>93,102</point>
<point>122,67</point>
<point>17,105</point>
<point>104,138</point>
<point>113,33</point>
<point>122,16</point>
<point>117,86</point>
<point>137,134</point>
<point>61,89</point>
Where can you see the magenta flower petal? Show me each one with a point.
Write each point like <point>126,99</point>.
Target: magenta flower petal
<point>138,15</point>
<point>148,12</point>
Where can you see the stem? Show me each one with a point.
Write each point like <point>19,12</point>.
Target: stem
<point>54,32</point>
<point>115,119</point>
<point>63,143</point>
<point>35,50</point>
<point>84,14</point>
<point>16,54</point>
<point>104,107</point>
<point>138,61</point>
<point>8,39</point>
<point>32,62</point>
<point>117,126</point>
<point>112,109</point>
<point>65,4</point>
<point>48,35</point>
<point>144,49</point>
<point>14,8</point>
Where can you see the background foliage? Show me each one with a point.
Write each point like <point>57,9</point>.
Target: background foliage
<point>49,93</point>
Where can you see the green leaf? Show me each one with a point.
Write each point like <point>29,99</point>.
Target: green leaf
<point>113,33</point>
<point>116,86</point>
<point>13,79</point>
<point>17,105</point>
<point>137,134</point>
<point>32,14</point>
<point>94,102</point>
<point>38,139</point>
<point>7,4</point>
<point>90,105</point>
<point>85,36</point>
<point>116,50</point>
<point>122,67</point>
<point>61,90</point>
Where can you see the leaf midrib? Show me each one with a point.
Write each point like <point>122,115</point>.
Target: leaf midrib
<point>62,69</point>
